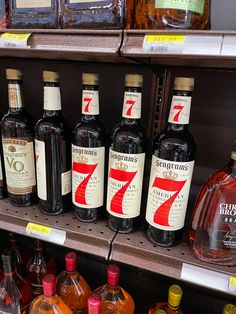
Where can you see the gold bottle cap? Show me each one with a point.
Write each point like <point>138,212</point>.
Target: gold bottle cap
<point>51,77</point>
<point>175,295</point>
<point>229,309</point>
<point>90,79</point>
<point>184,83</point>
<point>13,74</point>
<point>133,80</point>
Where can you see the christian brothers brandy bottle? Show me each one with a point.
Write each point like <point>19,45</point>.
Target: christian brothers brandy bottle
<point>52,147</point>
<point>126,161</point>
<point>18,147</point>
<point>171,170</point>
<point>175,14</point>
<point>88,155</point>
<point>213,228</point>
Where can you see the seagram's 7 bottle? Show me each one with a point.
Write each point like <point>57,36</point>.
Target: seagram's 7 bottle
<point>171,171</point>
<point>126,161</point>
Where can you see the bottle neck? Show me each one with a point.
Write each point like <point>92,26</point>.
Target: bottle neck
<point>15,95</point>
<point>180,111</point>
<point>132,105</point>
<point>90,102</point>
<point>38,247</point>
<point>7,266</point>
<point>52,99</point>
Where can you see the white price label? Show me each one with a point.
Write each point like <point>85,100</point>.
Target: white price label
<point>11,40</point>
<point>164,44</point>
<point>46,233</point>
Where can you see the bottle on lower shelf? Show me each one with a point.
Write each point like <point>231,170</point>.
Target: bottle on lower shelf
<point>72,288</point>
<point>175,294</point>
<point>229,309</point>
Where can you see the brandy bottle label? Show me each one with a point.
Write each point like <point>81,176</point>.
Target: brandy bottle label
<point>168,193</point>
<point>26,4</point>
<point>132,105</point>
<point>14,96</point>
<point>180,110</point>
<point>125,180</point>
<point>52,98</point>
<point>19,165</point>
<point>41,169</point>
<point>90,102</point>
<point>86,1</point>
<point>66,182</point>
<point>88,176</point>
<point>194,6</point>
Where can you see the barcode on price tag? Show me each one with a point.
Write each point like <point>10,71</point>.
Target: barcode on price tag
<point>46,233</point>
<point>232,284</point>
<point>11,40</point>
<point>169,44</point>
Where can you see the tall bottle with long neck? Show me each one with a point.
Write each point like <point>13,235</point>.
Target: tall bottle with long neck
<point>88,155</point>
<point>52,146</point>
<point>18,146</point>
<point>3,185</point>
<point>126,161</point>
<point>171,171</point>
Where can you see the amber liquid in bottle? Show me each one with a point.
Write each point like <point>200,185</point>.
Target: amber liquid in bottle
<point>171,171</point>
<point>18,146</point>
<point>213,232</point>
<point>166,14</point>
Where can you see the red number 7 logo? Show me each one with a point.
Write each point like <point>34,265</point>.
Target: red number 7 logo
<point>131,103</point>
<point>179,108</point>
<point>88,100</point>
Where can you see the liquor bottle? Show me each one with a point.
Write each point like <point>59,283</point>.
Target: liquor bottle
<point>15,292</point>
<point>130,11</point>
<point>229,309</point>
<point>175,294</point>
<point>98,14</point>
<point>114,298</point>
<point>94,304</point>
<point>33,14</point>
<point>212,232</point>
<point>52,148</point>
<point>88,155</point>
<point>38,266</point>
<point>168,14</point>
<point>49,302</point>
<point>126,161</point>
<point>18,146</point>
<point>72,288</point>
<point>3,14</point>
<point>171,170</point>
<point>3,186</point>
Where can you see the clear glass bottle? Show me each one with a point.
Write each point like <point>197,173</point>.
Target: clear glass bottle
<point>114,298</point>
<point>72,288</point>
<point>213,232</point>
<point>169,14</point>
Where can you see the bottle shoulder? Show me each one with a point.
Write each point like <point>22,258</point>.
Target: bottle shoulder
<point>52,304</point>
<point>18,121</point>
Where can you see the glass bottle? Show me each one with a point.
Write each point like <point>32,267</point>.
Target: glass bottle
<point>3,185</point>
<point>3,14</point>
<point>171,170</point>
<point>53,153</point>
<point>38,266</point>
<point>114,298</point>
<point>175,294</point>
<point>169,14</point>
<point>88,155</point>
<point>229,309</point>
<point>33,14</point>
<point>94,304</point>
<point>97,14</point>
<point>213,227</point>
<point>15,292</point>
<point>126,161</point>
<point>72,288</point>
<point>18,145</point>
<point>49,302</point>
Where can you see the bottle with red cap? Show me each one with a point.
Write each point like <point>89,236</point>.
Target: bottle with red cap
<point>114,298</point>
<point>94,304</point>
<point>49,302</point>
<point>72,287</point>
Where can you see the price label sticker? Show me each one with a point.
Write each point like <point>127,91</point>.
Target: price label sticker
<point>46,233</point>
<point>232,284</point>
<point>166,44</point>
<point>12,40</point>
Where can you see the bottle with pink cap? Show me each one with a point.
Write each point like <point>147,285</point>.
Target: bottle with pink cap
<point>49,302</point>
<point>94,304</point>
<point>114,298</point>
<point>72,287</point>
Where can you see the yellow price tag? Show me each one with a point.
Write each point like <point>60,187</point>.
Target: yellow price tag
<point>17,37</point>
<point>233,281</point>
<point>38,228</point>
<point>164,38</point>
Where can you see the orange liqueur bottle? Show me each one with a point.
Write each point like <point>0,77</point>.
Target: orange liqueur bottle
<point>72,287</point>
<point>172,14</point>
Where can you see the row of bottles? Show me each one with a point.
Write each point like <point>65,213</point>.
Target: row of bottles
<point>108,14</point>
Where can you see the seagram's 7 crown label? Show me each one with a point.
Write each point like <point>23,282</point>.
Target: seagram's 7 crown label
<point>168,193</point>
<point>90,102</point>
<point>125,179</point>
<point>180,110</point>
<point>88,176</point>
<point>132,105</point>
